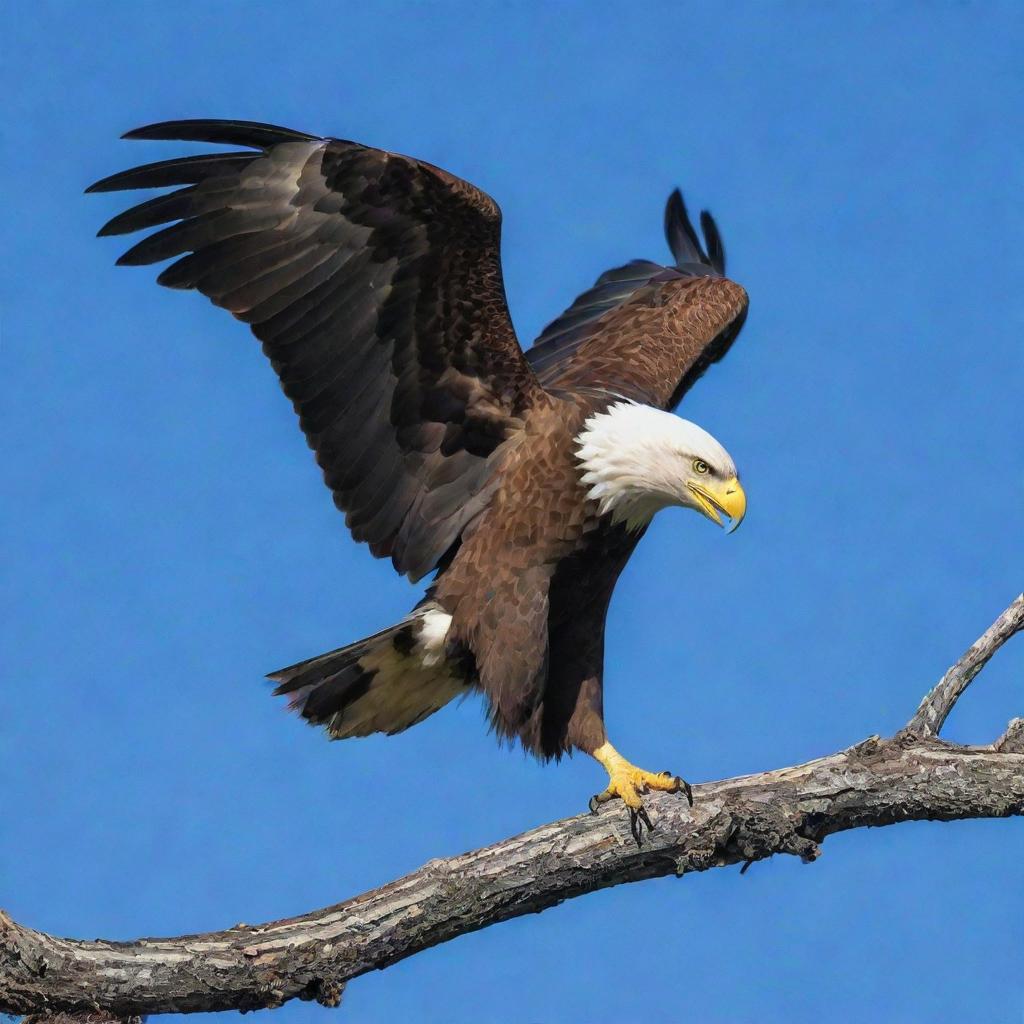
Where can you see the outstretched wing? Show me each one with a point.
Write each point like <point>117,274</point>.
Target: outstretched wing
<point>374,282</point>
<point>646,331</point>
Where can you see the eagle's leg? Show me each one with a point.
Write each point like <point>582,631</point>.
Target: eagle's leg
<point>627,782</point>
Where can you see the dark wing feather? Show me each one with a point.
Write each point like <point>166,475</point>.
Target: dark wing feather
<point>563,336</point>
<point>374,282</point>
<point>645,331</point>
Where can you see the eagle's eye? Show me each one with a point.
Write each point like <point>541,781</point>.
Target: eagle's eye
<point>700,466</point>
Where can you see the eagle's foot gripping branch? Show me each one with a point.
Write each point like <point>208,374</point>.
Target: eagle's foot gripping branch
<point>627,782</point>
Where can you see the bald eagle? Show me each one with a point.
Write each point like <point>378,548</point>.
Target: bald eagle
<point>522,480</point>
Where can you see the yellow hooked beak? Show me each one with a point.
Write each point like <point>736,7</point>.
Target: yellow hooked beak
<point>714,497</point>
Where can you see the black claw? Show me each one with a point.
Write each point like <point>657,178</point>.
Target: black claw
<point>593,804</point>
<point>682,786</point>
<point>638,817</point>
<point>634,827</point>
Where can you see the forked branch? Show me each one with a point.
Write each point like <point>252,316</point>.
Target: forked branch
<point>936,706</point>
<point>912,776</point>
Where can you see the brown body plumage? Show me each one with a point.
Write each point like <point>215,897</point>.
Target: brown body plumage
<point>374,283</point>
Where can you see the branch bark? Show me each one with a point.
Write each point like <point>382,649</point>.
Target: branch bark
<point>934,709</point>
<point>911,776</point>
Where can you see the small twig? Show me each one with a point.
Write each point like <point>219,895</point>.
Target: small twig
<point>936,706</point>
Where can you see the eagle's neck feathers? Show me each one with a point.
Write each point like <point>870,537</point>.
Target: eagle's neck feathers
<point>635,460</point>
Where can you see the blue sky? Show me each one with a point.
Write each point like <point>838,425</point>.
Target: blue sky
<point>167,539</point>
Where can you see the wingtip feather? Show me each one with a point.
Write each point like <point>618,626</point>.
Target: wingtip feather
<point>106,184</point>
<point>675,212</point>
<point>682,239</point>
<point>245,133</point>
<point>713,241</point>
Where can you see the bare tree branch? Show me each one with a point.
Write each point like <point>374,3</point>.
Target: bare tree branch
<point>936,706</point>
<point>912,776</point>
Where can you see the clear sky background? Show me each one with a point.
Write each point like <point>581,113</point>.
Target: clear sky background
<point>167,539</point>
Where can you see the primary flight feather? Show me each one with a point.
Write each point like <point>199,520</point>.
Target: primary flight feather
<point>523,479</point>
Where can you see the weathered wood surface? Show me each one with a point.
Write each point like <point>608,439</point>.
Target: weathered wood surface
<point>909,777</point>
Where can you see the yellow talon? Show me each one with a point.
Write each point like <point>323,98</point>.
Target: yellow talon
<point>627,783</point>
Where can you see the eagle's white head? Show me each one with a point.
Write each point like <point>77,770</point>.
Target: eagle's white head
<point>637,460</point>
